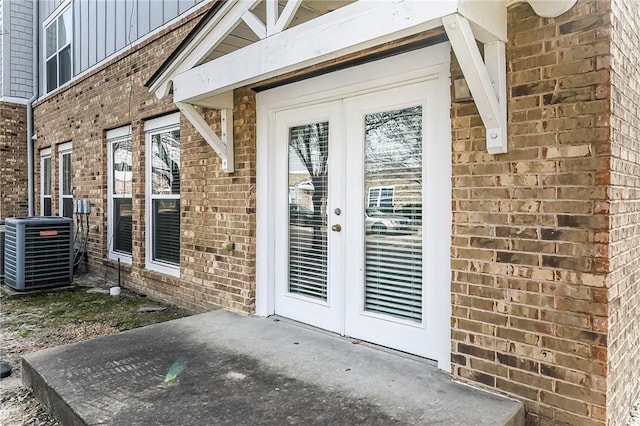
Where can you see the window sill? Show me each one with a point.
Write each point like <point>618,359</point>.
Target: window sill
<point>124,259</point>
<point>164,269</point>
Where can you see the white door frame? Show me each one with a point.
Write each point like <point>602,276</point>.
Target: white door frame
<point>428,64</point>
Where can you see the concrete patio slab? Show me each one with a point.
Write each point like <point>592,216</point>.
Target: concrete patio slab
<point>237,370</point>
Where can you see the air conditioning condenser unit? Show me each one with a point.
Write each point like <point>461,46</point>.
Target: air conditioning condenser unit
<point>38,252</point>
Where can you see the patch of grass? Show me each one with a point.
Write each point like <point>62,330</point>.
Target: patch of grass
<point>23,332</point>
<point>59,308</point>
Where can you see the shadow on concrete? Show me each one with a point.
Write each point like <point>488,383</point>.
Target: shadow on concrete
<point>224,368</point>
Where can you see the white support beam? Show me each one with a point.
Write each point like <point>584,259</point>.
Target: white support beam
<point>488,18</point>
<point>346,30</point>
<point>272,15</point>
<point>222,145</point>
<point>489,91</point>
<point>255,24</point>
<point>204,43</point>
<point>496,63</point>
<point>286,16</point>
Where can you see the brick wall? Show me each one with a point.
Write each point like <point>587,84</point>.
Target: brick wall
<point>624,284</point>
<point>215,206</point>
<point>219,207</point>
<point>530,228</point>
<point>13,160</point>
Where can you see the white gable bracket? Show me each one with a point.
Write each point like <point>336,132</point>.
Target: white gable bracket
<point>486,79</point>
<point>223,144</point>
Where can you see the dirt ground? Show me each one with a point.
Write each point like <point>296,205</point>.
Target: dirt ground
<point>55,317</point>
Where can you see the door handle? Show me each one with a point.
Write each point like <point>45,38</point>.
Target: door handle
<point>336,228</point>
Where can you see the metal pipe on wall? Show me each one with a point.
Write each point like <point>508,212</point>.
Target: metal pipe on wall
<point>30,134</point>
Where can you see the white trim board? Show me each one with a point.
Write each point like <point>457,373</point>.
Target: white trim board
<point>350,29</point>
<point>428,64</point>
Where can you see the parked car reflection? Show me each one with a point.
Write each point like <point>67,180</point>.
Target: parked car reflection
<point>379,222</point>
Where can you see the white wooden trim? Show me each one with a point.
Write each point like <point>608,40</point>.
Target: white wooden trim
<point>271,15</point>
<point>496,63</point>
<point>120,132</point>
<point>114,135</point>
<point>57,12</point>
<point>222,145</point>
<point>225,21</point>
<point>286,16</point>
<point>154,126</point>
<point>354,27</point>
<point>63,149</point>
<point>45,154</point>
<point>488,18</point>
<point>427,64</point>
<point>13,99</point>
<point>492,113</point>
<point>255,24</point>
<point>164,121</point>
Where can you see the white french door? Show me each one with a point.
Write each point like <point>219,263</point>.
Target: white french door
<point>359,197</point>
<point>310,261</point>
<point>392,282</point>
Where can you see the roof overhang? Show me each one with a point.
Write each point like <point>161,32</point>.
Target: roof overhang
<point>349,29</point>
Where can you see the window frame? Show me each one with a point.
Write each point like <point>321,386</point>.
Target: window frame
<point>47,23</point>
<point>45,154</point>
<point>379,197</point>
<point>152,127</point>
<point>114,136</point>
<point>64,149</point>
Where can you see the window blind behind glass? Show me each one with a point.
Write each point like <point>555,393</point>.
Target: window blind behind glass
<point>393,232</point>
<point>308,168</point>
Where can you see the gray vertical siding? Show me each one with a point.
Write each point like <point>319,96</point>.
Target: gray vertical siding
<point>103,27</point>
<point>2,59</point>
<point>18,27</point>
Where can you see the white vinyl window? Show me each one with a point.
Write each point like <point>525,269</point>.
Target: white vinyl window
<point>119,202</point>
<point>66,177</point>
<point>45,182</point>
<point>163,194</point>
<point>381,197</point>
<point>57,49</point>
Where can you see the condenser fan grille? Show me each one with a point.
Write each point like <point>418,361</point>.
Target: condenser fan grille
<point>38,252</point>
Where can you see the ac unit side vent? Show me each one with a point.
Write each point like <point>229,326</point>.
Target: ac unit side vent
<point>38,252</point>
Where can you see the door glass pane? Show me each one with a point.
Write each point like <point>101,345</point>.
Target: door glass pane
<point>393,231</point>
<point>308,179</point>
